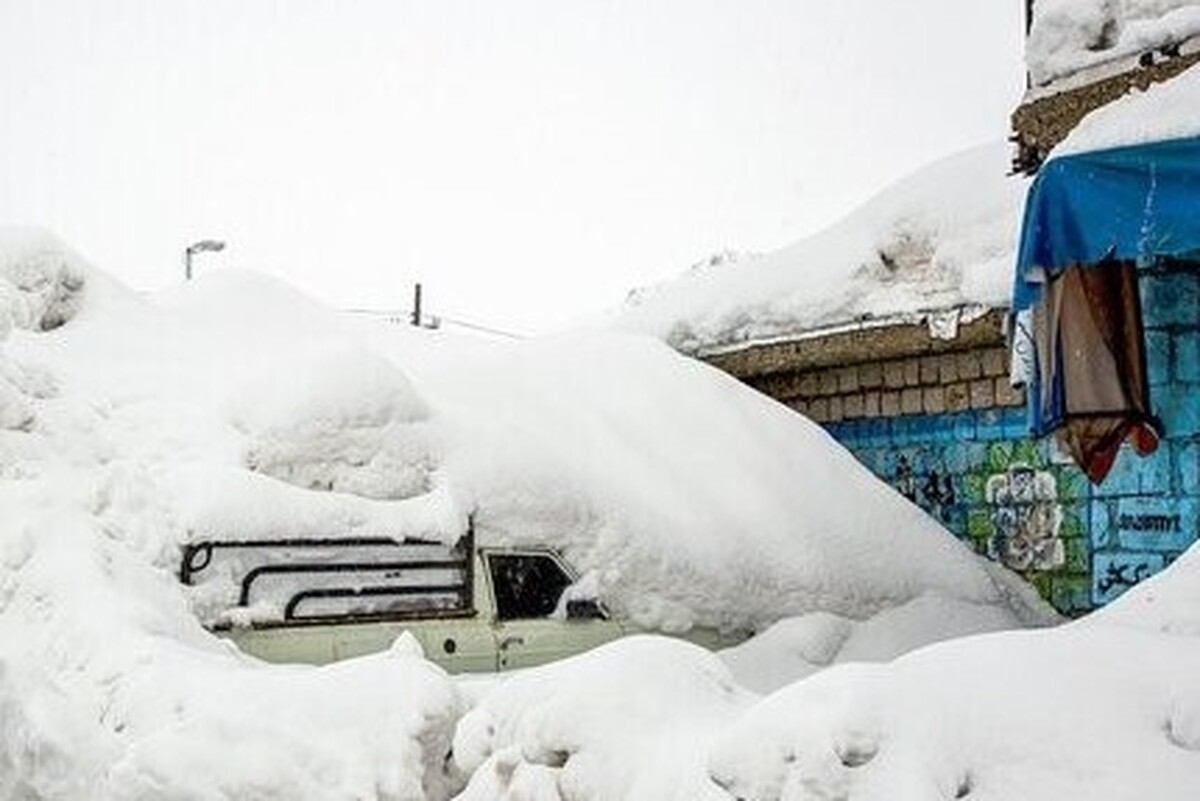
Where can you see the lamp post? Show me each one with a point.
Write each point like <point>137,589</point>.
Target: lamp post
<point>199,247</point>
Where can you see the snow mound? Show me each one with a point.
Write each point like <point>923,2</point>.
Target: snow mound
<point>685,497</point>
<point>111,690</point>
<point>1071,35</point>
<point>628,720</point>
<point>41,280</point>
<point>239,408</point>
<point>341,420</point>
<point>942,238</point>
<point>1105,707</point>
<point>235,407</point>
<point>797,647</point>
<point>41,284</point>
<point>1089,710</point>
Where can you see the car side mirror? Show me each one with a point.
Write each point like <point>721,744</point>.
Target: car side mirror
<point>584,609</point>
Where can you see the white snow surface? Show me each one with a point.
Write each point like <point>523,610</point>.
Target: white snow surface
<point>685,496</point>
<point>800,646</point>
<point>1071,35</point>
<point>940,239</point>
<point>1169,110</point>
<point>1106,708</point>
<point>237,407</point>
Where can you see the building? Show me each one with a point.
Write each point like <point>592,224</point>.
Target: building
<point>903,351</point>
<point>1112,132</point>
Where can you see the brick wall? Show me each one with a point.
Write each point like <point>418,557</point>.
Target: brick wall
<point>1145,513</point>
<point>882,372</point>
<point>960,467</point>
<point>937,420</point>
<point>950,382</point>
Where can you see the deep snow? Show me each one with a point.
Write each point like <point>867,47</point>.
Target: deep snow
<point>1105,708</point>
<point>237,407</point>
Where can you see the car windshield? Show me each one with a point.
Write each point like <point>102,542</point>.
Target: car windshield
<point>526,585</point>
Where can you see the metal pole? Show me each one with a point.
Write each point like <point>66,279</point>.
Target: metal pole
<point>187,264</point>
<point>416,312</point>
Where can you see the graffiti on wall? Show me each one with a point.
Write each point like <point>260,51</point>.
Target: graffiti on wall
<point>1119,577</point>
<point>1012,501</point>
<point>933,491</point>
<point>1026,517</point>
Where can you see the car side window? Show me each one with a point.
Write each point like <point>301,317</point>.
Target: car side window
<point>526,585</point>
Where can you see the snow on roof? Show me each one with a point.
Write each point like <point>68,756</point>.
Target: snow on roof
<point>941,238</point>
<point>1169,110</point>
<point>1068,36</point>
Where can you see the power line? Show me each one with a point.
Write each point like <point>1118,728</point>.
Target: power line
<point>405,317</point>
<point>477,327</point>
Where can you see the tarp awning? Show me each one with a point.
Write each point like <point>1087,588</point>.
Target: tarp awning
<point>1128,203</point>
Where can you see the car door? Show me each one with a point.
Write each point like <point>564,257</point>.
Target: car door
<point>530,627</point>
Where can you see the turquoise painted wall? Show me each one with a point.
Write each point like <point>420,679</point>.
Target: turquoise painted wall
<point>1022,503</point>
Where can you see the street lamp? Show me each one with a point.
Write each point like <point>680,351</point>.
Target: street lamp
<point>199,247</point>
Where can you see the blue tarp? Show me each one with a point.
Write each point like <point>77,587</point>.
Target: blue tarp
<point>1136,203</point>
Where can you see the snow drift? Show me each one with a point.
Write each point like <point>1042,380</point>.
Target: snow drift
<point>1107,706</point>
<point>237,407</point>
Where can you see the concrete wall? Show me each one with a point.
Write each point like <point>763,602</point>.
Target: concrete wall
<point>1041,123</point>
<point>971,463</point>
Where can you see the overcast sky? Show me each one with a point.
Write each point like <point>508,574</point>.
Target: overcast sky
<point>528,160</point>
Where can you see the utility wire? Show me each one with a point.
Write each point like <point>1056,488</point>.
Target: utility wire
<point>404,316</point>
<point>477,327</point>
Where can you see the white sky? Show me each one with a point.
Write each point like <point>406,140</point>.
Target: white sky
<point>528,160</point>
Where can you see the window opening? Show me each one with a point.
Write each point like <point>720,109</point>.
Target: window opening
<point>526,585</point>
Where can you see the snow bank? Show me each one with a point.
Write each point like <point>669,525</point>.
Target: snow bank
<point>684,496</point>
<point>1106,708</point>
<point>235,407</point>
<point>631,719</point>
<point>342,421</point>
<point>797,647</point>
<point>41,280</point>
<point>1071,35</point>
<point>41,283</point>
<point>1012,715</point>
<point>239,408</point>
<point>111,690</point>
<point>939,239</point>
<point>1163,111</point>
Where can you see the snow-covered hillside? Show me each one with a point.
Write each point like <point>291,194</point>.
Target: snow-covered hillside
<point>1071,35</point>
<point>942,238</point>
<point>237,407</point>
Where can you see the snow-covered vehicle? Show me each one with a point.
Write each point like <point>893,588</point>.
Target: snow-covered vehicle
<point>472,609</point>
